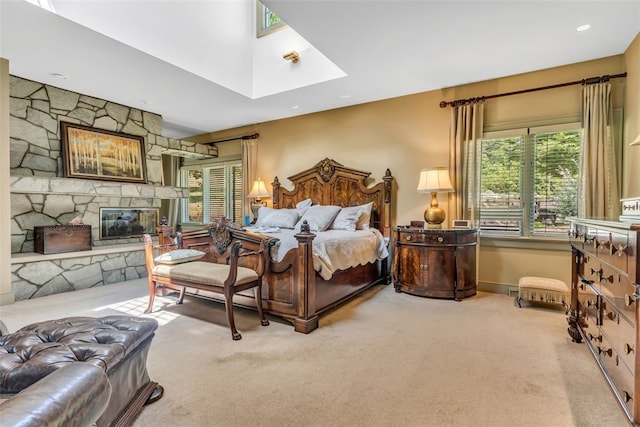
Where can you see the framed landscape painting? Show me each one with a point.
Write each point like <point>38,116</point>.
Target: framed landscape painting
<point>101,154</point>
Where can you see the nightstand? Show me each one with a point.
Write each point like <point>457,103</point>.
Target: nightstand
<point>435,263</point>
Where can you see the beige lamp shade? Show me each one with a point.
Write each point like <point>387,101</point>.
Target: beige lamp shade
<point>258,190</point>
<point>434,181</point>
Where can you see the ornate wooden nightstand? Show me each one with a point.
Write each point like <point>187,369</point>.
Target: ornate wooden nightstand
<point>435,263</point>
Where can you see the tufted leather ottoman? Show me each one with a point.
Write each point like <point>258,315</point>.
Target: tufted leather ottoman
<point>117,344</point>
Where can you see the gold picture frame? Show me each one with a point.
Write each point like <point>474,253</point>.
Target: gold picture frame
<point>101,154</point>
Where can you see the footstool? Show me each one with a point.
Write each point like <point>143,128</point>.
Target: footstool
<point>542,289</point>
<point>117,344</point>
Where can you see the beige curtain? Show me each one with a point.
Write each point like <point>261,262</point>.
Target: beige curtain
<point>599,187</point>
<point>464,136</point>
<point>171,177</point>
<point>249,159</point>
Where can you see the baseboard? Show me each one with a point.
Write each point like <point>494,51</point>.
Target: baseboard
<point>498,288</point>
<point>7,299</point>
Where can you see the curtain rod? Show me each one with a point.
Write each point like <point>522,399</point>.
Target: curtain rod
<point>244,137</point>
<point>590,80</point>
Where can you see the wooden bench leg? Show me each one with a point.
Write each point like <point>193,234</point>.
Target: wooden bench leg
<point>228,305</point>
<point>181,296</point>
<point>258,295</point>
<point>152,295</point>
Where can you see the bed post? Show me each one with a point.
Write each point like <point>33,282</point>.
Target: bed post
<point>306,319</point>
<point>386,221</point>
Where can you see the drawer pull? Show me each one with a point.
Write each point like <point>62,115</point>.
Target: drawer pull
<point>596,272</point>
<point>408,238</point>
<point>627,397</point>
<point>628,300</point>
<point>440,239</point>
<point>606,279</point>
<point>595,337</point>
<point>591,303</point>
<point>627,348</point>
<point>612,315</point>
<point>424,267</point>
<point>605,352</point>
<point>619,249</point>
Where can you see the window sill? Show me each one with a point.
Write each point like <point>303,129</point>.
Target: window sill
<point>537,243</point>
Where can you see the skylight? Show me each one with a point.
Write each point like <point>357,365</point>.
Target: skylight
<point>45,4</point>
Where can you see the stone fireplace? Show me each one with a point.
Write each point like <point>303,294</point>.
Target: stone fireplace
<point>41,195</point>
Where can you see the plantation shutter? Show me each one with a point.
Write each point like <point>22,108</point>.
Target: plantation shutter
<point>216,193</point>
<point>236,194</point>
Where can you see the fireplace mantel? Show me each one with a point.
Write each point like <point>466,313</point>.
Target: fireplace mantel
<point>87,187</point>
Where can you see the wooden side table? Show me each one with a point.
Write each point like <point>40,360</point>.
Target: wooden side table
<point>435,263</point>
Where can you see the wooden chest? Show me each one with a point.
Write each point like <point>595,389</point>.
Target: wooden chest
<point>54,239</point>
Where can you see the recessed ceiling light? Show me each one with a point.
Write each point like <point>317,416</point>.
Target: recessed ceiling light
<point>345,95</point>
<point>295,107</point>
<point>58,76</point>
<point>584,27</point>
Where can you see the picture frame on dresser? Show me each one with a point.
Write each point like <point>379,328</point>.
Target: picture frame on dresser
<point>101,154</point>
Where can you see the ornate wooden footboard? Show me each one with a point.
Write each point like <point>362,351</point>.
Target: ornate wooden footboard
<point>291,287</point>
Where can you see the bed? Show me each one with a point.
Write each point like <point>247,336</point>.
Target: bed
<point>292,288</point>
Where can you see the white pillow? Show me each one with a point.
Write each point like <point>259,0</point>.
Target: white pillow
<point>319,217</point>
<point>347,218</point>
<point>304,204</point>
<point>365,217</point>
<point>179,256</point>
<point>263,212</point>
<point>281,218</point>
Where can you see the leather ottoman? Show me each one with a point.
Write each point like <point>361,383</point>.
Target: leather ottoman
<point>117,344</point>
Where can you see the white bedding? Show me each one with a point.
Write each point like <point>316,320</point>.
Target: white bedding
<point>333,250</point>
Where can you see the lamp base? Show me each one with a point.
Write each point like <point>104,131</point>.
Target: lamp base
<point>433,226</point>
<point>434,215</point>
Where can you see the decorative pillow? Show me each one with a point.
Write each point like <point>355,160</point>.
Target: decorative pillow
<point>179,256</point>
<point>347,218</point>
<point>304,204</point>
<point>281,218</point>
<point>263,212</point>
<point>319,217</point>
<point>365,217</point>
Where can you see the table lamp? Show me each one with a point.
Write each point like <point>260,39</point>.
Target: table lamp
<point>434,181</point>
<point>258,190</point>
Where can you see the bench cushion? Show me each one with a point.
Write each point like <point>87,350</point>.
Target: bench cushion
<point>543,289</point>
<point>205,273</point>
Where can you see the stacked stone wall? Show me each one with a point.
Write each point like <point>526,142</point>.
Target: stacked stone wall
<point>41,195</point>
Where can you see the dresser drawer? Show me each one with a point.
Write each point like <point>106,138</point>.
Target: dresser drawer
<point>613,249</point>
<point>620,332</point>
<point>589,302</point>
<point>618,371</point>
<point>427,238</point>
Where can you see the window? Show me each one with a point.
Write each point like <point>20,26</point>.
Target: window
<point>214,191</point>
<point>529,180</point>
<point>267,21</point>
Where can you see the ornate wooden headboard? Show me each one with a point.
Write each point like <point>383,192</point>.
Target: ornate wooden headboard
<point>330,183</point>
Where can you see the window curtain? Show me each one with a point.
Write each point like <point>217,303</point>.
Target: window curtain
<point>171,177</point>
<point>599,187</point>
<point>464,136</point>
<point>249,159</point>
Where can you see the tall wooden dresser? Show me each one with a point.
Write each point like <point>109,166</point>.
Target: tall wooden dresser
<point>605,295</point>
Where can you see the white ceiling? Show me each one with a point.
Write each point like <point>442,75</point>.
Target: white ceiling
<point>198,64</point>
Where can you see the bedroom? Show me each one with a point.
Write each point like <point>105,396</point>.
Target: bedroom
<point>411,132</point>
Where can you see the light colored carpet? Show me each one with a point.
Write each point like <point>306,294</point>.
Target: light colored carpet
<point>383,359</point>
